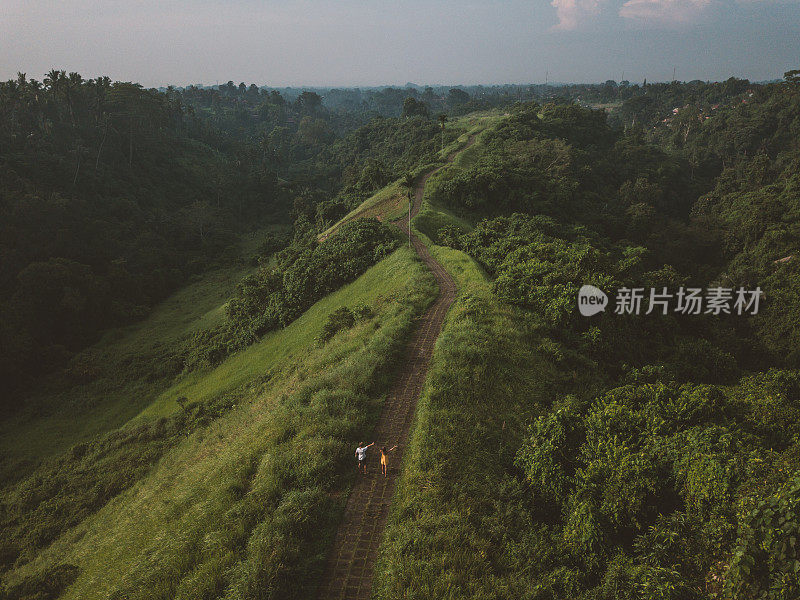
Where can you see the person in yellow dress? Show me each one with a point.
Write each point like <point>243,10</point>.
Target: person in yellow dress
<point>385,459</point>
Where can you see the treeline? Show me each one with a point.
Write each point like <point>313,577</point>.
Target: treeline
<point>246,110</point>
<point>672,472</point>
<point>251,103</point>
<point>336,146</point>
<point>651,104</point>
<point>110,197</point>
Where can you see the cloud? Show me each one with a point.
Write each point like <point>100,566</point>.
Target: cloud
<point>666,12</point>
<point>572,12</point>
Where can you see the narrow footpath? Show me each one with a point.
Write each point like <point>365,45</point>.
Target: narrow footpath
<point>348,574</point>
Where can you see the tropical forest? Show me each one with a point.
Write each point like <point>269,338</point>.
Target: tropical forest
<point>335,342</point>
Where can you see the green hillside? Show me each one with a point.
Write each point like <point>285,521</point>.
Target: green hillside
<point>69,411</point>
<point>205,449</point>
<point>391,202</point>
<point>559,457</point>
<point>256,465</point>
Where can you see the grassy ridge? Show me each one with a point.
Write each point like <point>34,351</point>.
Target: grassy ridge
<point>388,204</point>
<point>472,124</point>
<point>279,346</point>
<point>459,512</point>
<point>432,217</point>
<point>391,202</point>
<point>460,516</point>
<point>245,506</point>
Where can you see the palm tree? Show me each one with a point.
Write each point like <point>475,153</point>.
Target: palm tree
<point>442,121</point>
<point>80,150</point>
<point>408,181</point>
<point>100,87</point>
<point>54,83</point>
<point>106,120</point>
<point>72,83</point>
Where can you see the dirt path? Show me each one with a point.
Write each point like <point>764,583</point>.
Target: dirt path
<point>348,575</point>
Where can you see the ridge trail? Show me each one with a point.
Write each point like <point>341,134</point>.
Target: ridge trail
<point>351,561</point>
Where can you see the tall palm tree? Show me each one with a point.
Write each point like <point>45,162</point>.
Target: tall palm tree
<point>442,121</point>
<point>100,87</point>
<point>52,80</point>
<point>72,85</point>
<point>54,84</point>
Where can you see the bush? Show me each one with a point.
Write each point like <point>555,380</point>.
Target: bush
<point>272,242</point>
<point>766,562</point>
<point>450,236</point>
<point>341,318</point>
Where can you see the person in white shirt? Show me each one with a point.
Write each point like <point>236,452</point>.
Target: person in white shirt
<point>361,455</point>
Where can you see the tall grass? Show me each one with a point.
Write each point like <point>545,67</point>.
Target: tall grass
<point>461,526</point>
<point>387,204</point>
<point>245,507</point>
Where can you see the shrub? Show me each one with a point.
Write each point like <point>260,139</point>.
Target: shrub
<point>450,236</point>
<point>272,242</point>
<point>766,562</point>
<point>548,456</point>
<point>304,273</point>
<point>341,318</point>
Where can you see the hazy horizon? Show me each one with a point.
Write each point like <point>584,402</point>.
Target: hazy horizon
<point>319,43</point>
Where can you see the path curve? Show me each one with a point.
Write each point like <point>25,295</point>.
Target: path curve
<point>351,562</point>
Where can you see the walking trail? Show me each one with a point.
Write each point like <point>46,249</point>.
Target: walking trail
<point>348,574</point>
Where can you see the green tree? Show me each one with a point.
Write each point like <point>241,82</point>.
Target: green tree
<point>414,108</point>
<point>442,120</point>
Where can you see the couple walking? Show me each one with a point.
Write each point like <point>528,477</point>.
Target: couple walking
<point>361,455</point>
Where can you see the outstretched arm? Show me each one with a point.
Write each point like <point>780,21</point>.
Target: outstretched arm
<point>393,448</point>
<point>372,444</point>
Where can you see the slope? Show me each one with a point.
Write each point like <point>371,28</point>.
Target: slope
<point>245,498</point>
<point>112,381</point>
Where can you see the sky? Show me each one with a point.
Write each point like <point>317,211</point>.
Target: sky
<point>364,43</point>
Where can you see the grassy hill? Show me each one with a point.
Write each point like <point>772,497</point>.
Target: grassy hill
<point>130,478</point>
<point>460,518</point>
<point>387,204</point>
<point>127,476</point>
<point>557,457</point>
<point>458,510</point>
<point>254,462</point>
<point>112,381</point>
